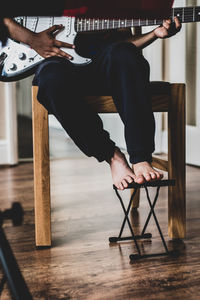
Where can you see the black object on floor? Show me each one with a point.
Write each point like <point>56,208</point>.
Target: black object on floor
<point>143,235</point>
<point>12,274</point>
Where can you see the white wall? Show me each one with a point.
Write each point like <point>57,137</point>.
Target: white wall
<point>8,122</point>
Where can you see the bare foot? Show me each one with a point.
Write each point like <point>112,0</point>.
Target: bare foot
<point>121,172</point>
<point>145,172</point>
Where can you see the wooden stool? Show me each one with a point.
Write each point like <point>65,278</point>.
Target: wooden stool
<point>166,97</point>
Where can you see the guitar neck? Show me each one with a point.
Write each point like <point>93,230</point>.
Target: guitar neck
<point>185,15</point>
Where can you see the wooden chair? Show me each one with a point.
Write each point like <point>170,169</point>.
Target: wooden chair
<point>166,97</point>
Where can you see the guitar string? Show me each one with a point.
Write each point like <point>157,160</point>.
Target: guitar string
<point>183,13</point>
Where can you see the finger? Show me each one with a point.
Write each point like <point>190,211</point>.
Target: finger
<point>58,30</point>
<point>177,24</point>
<point>63,44</point>
<point>54,28</point>
<point>53,53</point>
<point>50,54</point>
<point>166,25</point>
<point>62,53</point>
<point>169,21</point>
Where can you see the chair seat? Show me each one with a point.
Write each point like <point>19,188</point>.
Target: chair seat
<point>160,92</point>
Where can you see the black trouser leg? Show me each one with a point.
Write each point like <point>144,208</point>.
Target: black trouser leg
<point>60,87</point>
<point>127,75</point>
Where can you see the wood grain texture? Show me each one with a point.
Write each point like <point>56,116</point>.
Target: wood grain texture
<point>160,163</point>
<point>105,104</point>
<point>176,158</point>
<point>81,264</point>
<point>41,173</point>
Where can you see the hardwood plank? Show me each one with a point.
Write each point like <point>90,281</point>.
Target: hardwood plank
<point>85,211</point>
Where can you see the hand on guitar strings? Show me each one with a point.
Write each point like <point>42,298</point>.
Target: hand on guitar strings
<point>168,28</point>
<point>46,45</point>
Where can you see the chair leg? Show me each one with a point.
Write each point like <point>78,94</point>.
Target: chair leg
<point>176,160</point>
<point>41,173</point>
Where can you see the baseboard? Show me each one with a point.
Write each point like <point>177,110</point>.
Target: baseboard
<point>6,156</point>
<point>3,153</point>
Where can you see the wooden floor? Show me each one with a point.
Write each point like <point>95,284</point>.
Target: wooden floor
<point>85,211</point>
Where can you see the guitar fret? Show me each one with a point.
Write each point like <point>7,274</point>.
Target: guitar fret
<point>185,14</point>
<point>189,15</point>
<point>102,25</point>
<point>197,14</point>
<point>85,25</point>
<point>95,24</point>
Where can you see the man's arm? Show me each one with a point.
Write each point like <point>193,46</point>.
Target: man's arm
<point>167,30</point>
<point>43,42</point>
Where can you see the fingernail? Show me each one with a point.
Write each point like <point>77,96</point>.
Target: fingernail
<point>73,46</point>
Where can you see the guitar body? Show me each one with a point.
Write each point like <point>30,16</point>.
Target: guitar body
<point>21,61</point>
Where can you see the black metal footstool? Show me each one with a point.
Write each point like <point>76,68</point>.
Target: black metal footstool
<point>143,235</point>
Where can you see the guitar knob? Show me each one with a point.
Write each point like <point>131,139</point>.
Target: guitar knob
<point>13,67</point>
<point>22,56</point>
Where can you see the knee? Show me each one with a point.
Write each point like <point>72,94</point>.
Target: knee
<point>51,75</point>
<point>127,54</point>
<point>48,75</point>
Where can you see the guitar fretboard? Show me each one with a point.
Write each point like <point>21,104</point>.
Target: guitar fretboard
<point>185,15</point>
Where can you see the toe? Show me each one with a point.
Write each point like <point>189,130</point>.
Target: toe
<point>129,179</point>
<point>139,179</point>
<point>125,184</point>
<point>148,177</point>
<point>153,175</point>
<point>159,175</point>
<point>121,186</point>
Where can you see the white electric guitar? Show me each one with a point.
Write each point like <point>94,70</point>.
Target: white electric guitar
<point>18,60</point>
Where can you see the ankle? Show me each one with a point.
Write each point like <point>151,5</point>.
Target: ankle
<point>116,153</point>
<point>143,163</point>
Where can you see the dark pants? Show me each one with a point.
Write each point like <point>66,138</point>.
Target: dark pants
<point>119,70</point>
